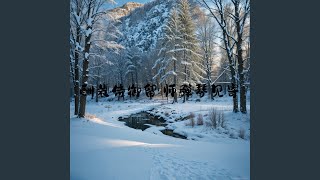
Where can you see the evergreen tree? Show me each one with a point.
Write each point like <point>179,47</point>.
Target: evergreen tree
<point>133,64</point>
<point>191,59</point>
<point>169,52</point>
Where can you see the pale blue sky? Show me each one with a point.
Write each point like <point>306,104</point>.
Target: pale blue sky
<point>121,2</point>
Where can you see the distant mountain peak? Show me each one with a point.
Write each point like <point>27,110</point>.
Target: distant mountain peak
<point>131,5</point>
<point>125,9</point>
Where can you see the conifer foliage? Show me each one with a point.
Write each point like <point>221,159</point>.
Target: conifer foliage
<point>179,60</point>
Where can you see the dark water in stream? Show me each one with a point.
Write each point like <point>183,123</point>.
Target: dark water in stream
<point>170,132</point>
<point>142,119</point>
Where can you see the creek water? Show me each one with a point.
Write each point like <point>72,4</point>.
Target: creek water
<point>143,119</point>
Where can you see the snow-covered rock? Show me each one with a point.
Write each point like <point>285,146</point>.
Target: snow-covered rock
<point>124,10</point>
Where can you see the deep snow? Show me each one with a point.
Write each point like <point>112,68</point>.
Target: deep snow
<point>101,147</point>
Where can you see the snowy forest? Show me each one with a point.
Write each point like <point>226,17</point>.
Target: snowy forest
<point>160,90</point>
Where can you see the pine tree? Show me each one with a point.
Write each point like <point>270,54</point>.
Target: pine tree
<point>133,64</point>
<point>169,52</point>
<point>191,59</point>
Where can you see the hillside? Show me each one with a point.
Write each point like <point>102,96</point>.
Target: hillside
<point>142,25</point>
<point>124,10</point>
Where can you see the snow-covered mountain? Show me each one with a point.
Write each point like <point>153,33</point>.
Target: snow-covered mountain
<point>124,10</point>
<point>142,25</point>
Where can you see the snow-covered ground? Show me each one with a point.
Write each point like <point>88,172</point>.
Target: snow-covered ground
<point>101,147</point>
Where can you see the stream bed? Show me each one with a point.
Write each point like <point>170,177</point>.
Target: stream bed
<point>143,119</point>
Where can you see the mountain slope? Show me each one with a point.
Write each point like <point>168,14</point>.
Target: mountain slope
<point>142,27</point>
<point>124,10</point>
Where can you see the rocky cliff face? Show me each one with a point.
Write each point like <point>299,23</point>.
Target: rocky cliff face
<point>124,10</point>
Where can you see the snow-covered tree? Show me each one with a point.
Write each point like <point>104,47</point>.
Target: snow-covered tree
<point>133,64</point>
<point>118,68</point>
<point>104,35</point>
<point>77,18</point>
<point>147,73</point>
<point>92,11</point>
<point>98,67</point>
<point>206,34</point>
<point>217,10</point>
<point>179,56</point>
<point>83,16</point>
<point>241,12</point>
<point>233,39</point>
<point>191,59</point>
<point>169,52</point>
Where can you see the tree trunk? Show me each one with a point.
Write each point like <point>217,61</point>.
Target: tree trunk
<point>175,82</point>
<point>76,75</point>
<point>76,93</point>
<point>209,66</point>
<point>137,77</point>
<point>243,107</point>
<point>209,90</point>
<point>132,78</point>
<point>161,87</point>
<point>97,85</point>
<point>208,71</point>
<point>85,70</point>
<point>121,78</point>
<point>209,80</point>
<point>85,75</point>
<point>185,66</point>
<point>231,66</point>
